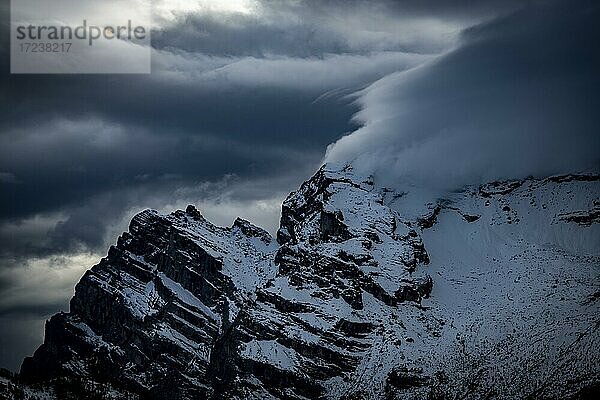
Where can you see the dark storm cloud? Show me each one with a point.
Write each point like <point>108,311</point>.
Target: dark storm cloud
<point>73,138</point>
<point>460,9</point>
<point>517,98</point>
<point>303,29</point>
<point>245,35</point>
<point>195,135</point>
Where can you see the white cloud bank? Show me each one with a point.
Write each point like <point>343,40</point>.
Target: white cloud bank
<point>517,97</point>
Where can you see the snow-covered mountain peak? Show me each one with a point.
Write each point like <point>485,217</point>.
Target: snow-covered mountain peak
<point>365,294</point>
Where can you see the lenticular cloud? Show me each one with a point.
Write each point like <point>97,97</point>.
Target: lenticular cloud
<point>514,99</point>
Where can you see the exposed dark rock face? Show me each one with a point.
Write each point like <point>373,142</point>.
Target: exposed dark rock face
<point>584,218</point>
<point>402,379</point>
<point>499,188</point>
<point>336,307</point>
<point>574,177</point>
<point>144,310</point>
<point>427,221</point>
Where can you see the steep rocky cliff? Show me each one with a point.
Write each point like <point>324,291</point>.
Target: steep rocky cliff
<point>367,293</point>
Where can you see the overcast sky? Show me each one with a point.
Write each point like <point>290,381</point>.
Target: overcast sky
<point>245,97</point>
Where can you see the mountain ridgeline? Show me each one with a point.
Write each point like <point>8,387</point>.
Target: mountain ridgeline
<point>366,293</point>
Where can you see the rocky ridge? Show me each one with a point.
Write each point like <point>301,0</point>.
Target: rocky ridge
<point>367,293</point>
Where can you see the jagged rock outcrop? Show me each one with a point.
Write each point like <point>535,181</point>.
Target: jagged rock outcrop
<point>356,299</point>
<point>147,316</point>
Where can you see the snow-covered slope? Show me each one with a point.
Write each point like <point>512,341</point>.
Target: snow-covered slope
<point>516,270</point>
<point>367,293</point>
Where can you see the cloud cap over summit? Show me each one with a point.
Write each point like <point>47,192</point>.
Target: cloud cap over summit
<point>517,97</point>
